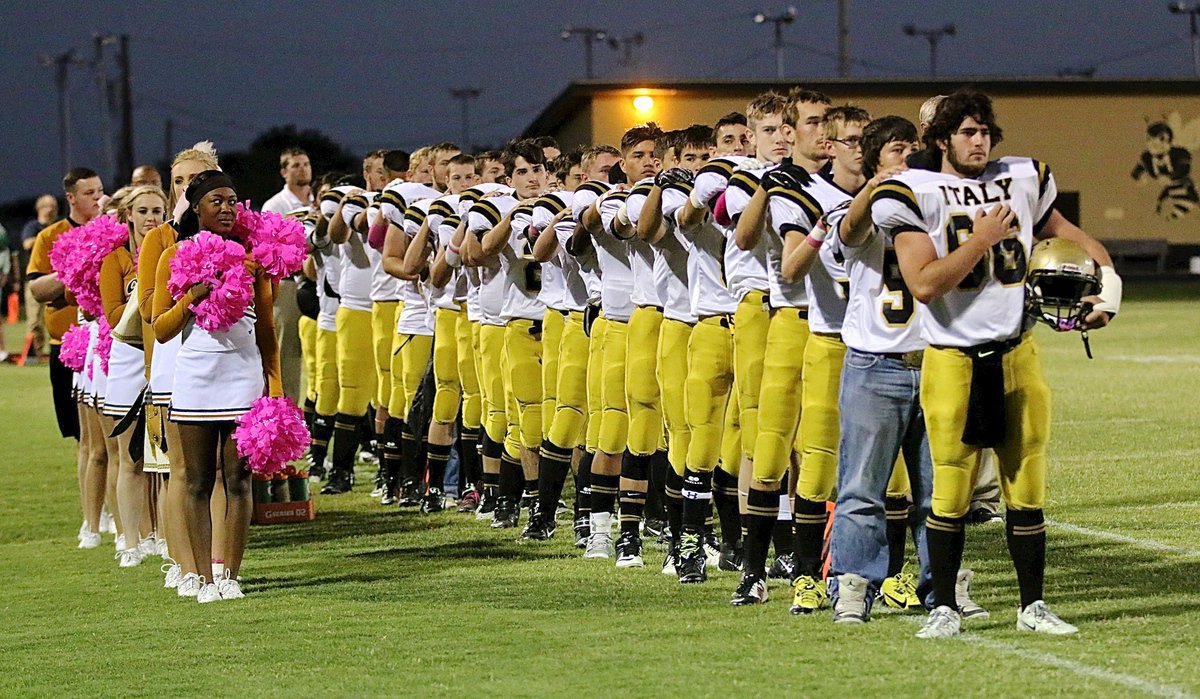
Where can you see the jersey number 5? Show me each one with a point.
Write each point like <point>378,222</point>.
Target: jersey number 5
<point>897,306</point>
<point>1005,260</point>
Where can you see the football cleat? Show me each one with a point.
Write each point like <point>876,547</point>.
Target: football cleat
<point>962,597</point>
<point>712,549</point>
<point>851,604</point>
<point>583,530</point>
<point>338,483</point>
<point>367,457</point>
<point>668,566</point>
<point>899,591</point>
<point>1038,617</point>
<point>506,516</point>
<point>982,515</point>
<point>653,528</point>
<point>539,528</point>
<point>943,622</point>
<point>731,556</point>
<point>410,494</point>
<point>316,472</point>
<point>782,568</point>
<point>752,589</point>
<point>487,506</point>
<point>808,595</point>
<point>629,550</point>
<point>692,561</point>
<point>434,501</point>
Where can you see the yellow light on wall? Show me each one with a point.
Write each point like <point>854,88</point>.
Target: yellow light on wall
<point>643,103</point>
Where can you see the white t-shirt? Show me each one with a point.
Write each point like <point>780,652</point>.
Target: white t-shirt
<point>285,202</point>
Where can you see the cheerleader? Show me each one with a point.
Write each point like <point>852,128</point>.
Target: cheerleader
<point>218,375</point>
<point>182,573</point>
<point>141,209</point>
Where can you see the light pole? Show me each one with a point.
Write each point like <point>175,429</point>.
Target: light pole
<point>933,36</point>
<point>779,21</point>
<point>590,36</point>
<point>1191,9</point>
<point>465,95</point>
<point>62,63</point>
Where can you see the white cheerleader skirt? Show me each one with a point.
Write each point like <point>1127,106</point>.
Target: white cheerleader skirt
<point>162,370</point>
<point>218,375</point>
<point>87,391</point>
<point>126,379</point>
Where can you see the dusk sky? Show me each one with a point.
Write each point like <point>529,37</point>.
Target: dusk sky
<point>378,74</point>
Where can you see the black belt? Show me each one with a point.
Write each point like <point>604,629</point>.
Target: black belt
<point>724,319</point>
<point>831,336</point>
<point>912,360</point>
<point>802,312</point>
<point>987,348</point>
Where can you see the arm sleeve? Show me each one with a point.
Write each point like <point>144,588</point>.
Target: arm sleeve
<point>894,209</point>
<point>112,287</point>
<point>169,314</point>
<point>148,256</point>
<point>264,334</point>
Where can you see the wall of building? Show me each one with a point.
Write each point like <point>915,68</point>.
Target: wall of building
<point>1092,142</point>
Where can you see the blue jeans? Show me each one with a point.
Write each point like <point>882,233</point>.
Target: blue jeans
<point>880,416</point>
<point>450,479</point>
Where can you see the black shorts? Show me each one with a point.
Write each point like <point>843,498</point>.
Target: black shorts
<point>65,407</point>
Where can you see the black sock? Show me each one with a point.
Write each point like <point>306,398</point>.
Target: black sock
<point>897,530</point>
<point>367,438</point>
<point>392,457</point>
<point>490,449</point>
<point>468,453</point>
<point>530,490</point>
<point>554,463</point>
<point>310,412</point>
<point>1026,533</point>
<point>636,468</point>
<point>436,457</point>
<point>725,500</point>
<point>512,479</point>
<point>655,480</point>
<point>673,491</point>
<point>604,492</point>
<point>762,509</point>
<point>583,487</point>
<point>697,500</point>
<point>809,519</point>
<point>322,430</point>
<point>411,457</point>
<point>945,537</point>
<point>345,443</point>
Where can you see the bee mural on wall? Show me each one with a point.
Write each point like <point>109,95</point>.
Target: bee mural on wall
<point>1167,162</point>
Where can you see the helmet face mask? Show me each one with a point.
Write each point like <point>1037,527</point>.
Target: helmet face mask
<point>1060,275</point>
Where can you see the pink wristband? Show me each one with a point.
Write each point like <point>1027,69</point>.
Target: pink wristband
<point>814,242</point>
<point>378,233</point>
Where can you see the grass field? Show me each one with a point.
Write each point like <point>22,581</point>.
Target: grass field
<point>371,602</point>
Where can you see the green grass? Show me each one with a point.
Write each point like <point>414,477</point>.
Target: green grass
<point>368,602</point>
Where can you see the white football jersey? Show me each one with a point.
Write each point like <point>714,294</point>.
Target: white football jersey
<point>416,316</point>
<point>574,285</point>
<point>612,253</point>
<point>745,270</point>
<point>522,274</point>
<point>355,282</point>
<point>881,314</point>
<point>705,245</point>
<point>988,305</point>
<point>483,217</point>
<point>648,288</point>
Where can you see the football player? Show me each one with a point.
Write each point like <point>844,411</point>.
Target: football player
<point>962,235</point>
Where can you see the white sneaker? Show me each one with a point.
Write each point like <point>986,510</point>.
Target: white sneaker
<point>148,546</point>
<point>230,588</point>
<point>129,558</point>
<point>189,585</point>
<point>120,543</point>
<point>1038,617</point>
<point>208,593</point>
<point>943,622</point>
<point>160,549</point>
<point>107,525</point>
<point>367,457</point>
<point>82,530</point>
<point>600,543</point>
<point>850,607</point>
<point>174,573</point>
<point>89,540</point>
<point>962,597</point>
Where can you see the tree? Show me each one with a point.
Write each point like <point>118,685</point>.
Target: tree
<point>256,171</point>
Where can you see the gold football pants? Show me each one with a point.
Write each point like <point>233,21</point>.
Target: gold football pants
<point>553,322</point>
<point>410,359</point>
<point>355,362</point>
<point>641,382</point>
<point>308,352</point>
<point>448,394</point>
<point>567,428</point>
<point>327,377</point>
<point>491,381</point>
<point>750,323</point>
<point>523,380</point>
<point>817,438</point>
<point>673,340</point>
<point>779,400</point>
<point>468,371</point>
<point>383,329</point>
<point>706,393</point>
<point>614,416</point>
<point>595,382</point>
<point>1020,458</point>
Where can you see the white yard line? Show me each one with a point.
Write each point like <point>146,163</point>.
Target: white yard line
<point>1123,539</point>
<point>1156,358</point>
<point>1170,505</point>
<point>1140,456</point>
<point>1105,421</point>
<point>1083,670</point>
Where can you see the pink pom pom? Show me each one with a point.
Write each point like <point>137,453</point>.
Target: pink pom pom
<point>207,258</point>
<point>73,352</point>
<point>276,242</point>
<point>271,435</point>
<point>77,255</point>
<point>104,344</point>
